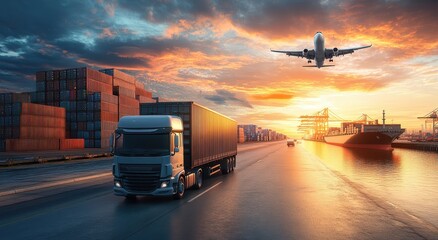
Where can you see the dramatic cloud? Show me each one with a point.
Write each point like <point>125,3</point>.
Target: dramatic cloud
<point>217,52</point>
<point>224,97</point>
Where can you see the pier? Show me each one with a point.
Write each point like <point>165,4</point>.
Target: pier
<point>424,146</point>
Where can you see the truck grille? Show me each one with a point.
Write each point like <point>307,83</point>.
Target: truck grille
<point>140,177</point>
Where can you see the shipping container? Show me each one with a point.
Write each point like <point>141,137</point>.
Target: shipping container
<point>13,145</point>
<point>71,144</point>
<point>208,135</point>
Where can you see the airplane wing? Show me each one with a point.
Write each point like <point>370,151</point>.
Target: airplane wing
<point>330,53</point>
<point>309,55</point>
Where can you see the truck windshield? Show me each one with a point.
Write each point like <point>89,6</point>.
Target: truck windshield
<point>142,145</point>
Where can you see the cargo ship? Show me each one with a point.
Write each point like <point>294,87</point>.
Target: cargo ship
<point>365,134</point>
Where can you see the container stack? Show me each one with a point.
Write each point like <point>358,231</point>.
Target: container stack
<point>93,102</point>
<point>36,127</point>
<point>124,87</point>
<point>10,116</point>
<point>240,134</point>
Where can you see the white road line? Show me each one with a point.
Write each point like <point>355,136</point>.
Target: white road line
<point>53,184</point>
<point>191,200</point>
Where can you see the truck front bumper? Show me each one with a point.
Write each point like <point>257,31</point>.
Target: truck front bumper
<point>161,191</point>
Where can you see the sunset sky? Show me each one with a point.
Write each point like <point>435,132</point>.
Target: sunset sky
<point>217,53</point>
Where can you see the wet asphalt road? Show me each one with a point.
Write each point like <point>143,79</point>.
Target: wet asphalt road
<point>275,193</point>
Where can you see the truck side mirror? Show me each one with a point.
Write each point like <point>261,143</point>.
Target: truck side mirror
<point>176,141</point>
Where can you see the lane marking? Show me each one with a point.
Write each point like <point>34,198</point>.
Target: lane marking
<point>53,184</point>
<point>191,200</point>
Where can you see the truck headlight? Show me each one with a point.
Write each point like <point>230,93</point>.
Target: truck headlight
<point>117,184</point>
<point>164,184</point>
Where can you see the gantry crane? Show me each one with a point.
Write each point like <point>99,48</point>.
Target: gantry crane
<point>434,117</point>
<point>318,124</point>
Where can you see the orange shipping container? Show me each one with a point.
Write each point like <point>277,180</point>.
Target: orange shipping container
<point>96,86</point>
<point>108,107</point>
<point>127,101</point>
<point>71,143</point>
<point>98,76</point>
<point>42,110</point>
<point>121,83</point>
<point>109,98</point>
<point>41,133</point>
<point>123,76</point>
<point>122,91</point>
<point>109,116</point>
<point>41,121</point>
<point>31,144</point>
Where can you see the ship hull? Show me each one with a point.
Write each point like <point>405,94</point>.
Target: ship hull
<point>368,140</point>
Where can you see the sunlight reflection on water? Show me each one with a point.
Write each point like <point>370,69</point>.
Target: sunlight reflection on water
<point>408,178</point>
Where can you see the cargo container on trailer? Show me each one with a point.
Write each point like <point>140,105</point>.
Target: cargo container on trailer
<point>170,148</point>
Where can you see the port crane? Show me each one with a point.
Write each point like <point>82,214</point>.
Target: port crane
<point>433,116</point>
<point>318,124</point>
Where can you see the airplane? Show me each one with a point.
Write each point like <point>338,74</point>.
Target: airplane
<point>319,54</point>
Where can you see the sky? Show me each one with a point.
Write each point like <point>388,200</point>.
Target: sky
<point>217,53</point>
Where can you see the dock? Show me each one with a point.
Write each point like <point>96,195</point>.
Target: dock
<point>424,146</point>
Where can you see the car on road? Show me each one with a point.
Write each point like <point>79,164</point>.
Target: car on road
<point>291,142</point>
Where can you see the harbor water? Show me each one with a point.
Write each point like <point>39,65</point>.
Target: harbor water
<point>405,178</point>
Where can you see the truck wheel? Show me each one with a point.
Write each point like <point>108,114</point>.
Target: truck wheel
<point>180,188</point>
<point>199,178</point>
<point>232,165</point>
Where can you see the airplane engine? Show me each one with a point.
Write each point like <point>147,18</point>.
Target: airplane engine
<point>335,51</point>
<point>305,51</point>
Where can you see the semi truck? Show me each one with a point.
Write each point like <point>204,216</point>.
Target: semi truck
<point>171,147</point>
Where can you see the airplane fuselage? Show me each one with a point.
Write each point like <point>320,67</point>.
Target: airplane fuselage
<point>320,53</point>
<point>318,41</point>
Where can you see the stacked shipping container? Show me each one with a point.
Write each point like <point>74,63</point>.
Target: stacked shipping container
<point>93,101</point>
<point>124,87</point>
<point>33,126</point>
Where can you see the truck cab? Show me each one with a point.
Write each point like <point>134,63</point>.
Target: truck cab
<point>148,156</point>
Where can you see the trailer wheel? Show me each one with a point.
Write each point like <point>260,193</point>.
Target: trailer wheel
<point>199,178</point>
<point>232,165</point>
<point>225,166</point>
<point>180,188</point>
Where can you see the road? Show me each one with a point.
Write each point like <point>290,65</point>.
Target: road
<point>276,192</point>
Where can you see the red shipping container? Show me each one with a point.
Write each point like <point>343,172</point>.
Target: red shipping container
<point>31,144</point>
<point>109,116</point>
<point>95,86</point>
<point>109,107</point>
<point>109,98</point>
<point>121,91</point>
<point>123,76</point>
<point>71,143</point>
<point>42,110</point>
<point>127,101</point>
<point>122,83</point>
<point>98,76</point>
<point>41,133</point>
<point>41,121</point>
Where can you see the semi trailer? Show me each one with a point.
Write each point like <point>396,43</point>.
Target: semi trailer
<point>171,147</point>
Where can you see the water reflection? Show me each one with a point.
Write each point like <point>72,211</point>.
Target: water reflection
<point>405,177</point>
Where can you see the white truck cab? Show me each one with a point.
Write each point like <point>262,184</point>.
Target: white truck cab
<point>148,156</point>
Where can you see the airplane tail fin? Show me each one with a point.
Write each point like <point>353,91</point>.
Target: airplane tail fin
<point>317,66</point>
